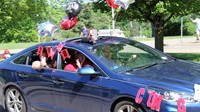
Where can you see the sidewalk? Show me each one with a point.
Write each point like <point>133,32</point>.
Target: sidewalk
<point>182,45</point>
<point>12,51</point>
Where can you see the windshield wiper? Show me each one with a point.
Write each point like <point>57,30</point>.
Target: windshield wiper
<point>146,66</point>
<point>140,67</point>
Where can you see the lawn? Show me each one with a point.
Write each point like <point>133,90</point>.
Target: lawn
<point>25,45</point>
<point>195,57</point>
<point>16,45</point>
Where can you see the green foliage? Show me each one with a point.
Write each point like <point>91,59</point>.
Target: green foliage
<point>189,26</point>
<point>18,19</point>
<point>172,28</point>
<point>157,12</point>
<point>93,19</point>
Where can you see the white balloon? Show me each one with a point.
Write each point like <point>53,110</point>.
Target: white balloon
<point>124,3</point>
<point>47,29</point>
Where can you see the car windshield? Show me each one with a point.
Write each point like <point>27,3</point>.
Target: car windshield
<point>128,55</point>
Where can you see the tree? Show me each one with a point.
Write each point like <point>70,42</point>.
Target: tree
<point>157,12</point>
<point>18,21</point>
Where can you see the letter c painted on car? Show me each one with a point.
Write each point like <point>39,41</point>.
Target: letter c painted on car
<point>138,98</point>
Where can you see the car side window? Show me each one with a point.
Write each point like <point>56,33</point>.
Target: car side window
<point>43,56</point>
<point>74,60</point>
<point>27,58</point>
<point>32,57</point>
<point>21,59</point>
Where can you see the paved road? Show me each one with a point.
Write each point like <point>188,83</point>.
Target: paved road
<point>1,107</point>
<point>182,45</point>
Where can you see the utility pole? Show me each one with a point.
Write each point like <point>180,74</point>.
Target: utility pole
<point>181,29</point>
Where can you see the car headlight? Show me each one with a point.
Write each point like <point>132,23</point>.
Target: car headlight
<point>174,96</point>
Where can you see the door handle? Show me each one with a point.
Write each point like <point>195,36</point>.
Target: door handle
<point>58,82</point>
<point>23,75</point>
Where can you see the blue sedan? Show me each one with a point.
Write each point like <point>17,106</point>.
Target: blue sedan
<point>114,75</point>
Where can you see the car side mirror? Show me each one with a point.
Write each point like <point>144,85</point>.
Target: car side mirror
<point>87,71</point>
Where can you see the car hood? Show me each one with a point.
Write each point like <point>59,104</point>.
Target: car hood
<point>177,73</point>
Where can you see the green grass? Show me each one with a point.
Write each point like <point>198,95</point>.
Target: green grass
<point>195,57</point>
<point>25,45</point>
<point>15,45</point>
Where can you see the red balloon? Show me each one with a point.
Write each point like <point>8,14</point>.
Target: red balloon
<point>111,3</point>
<point>68,22</point>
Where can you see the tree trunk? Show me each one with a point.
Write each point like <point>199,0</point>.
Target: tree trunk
<point>158,31</point>
<point>152,30</point>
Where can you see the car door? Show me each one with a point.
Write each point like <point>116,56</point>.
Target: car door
<point>36,85</point>
<point>75,93</point>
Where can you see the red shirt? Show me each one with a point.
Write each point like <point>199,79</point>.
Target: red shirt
<point>73,67</point>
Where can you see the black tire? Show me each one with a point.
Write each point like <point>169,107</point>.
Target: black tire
<point>127,106</point>
<point>14,100</point>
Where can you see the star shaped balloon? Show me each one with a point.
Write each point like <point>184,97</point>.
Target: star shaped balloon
<point>47,29</point>
<point>124,3</point>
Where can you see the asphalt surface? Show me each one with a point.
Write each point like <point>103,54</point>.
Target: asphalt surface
<point>1,107</point>
<point>180,45</point>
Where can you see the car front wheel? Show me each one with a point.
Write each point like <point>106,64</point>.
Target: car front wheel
<point>127,106</point>
<point>14,100</point>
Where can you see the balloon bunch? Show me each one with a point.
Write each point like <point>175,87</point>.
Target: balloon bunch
<point>119,3</point>
<point>72,10</point>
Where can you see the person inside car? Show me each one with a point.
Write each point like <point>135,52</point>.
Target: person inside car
<point>43,62</point>
<point>91,38</point>
<point>79,62</point>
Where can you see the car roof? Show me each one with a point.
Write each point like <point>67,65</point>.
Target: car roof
<point>79,41</point>
<point>101,40</point>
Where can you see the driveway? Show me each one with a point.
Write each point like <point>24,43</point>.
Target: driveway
<point>1,107</point>
<point>181,45</point>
